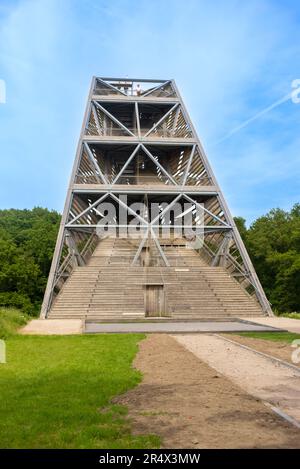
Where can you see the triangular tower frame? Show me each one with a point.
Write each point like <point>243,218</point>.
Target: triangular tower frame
<point>160,128</point>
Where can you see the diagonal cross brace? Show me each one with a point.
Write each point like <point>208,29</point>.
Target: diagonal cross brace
<point>157,88</point>
<point>112,117</point>
<point>120,202</point>
<point>87,209</point>
<point>137,117</point>
<point>93,110</point>
<point>161,119</point>
<point>159,165</point>
<point>111,86</point>
<point>206,210</point>
<point>142,243</point>
<point>188,165</point>
<point>166,209</point>
<point>95,164</point>
<point>159,248</point>
<point>126,164</point>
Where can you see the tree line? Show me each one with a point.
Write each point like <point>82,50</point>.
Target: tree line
<point>273,243</point>
<point>27,240</point>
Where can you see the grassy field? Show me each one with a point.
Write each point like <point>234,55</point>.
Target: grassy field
<point>55,392</point>
<point>275,336</point>
<point>10,321</point>
<point>290,315</point>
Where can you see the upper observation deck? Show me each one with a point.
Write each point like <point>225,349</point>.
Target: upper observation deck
<point>137,110</point>
<point>138,133</point>
<point>133,89</point>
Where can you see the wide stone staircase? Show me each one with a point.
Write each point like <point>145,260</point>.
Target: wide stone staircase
<point>109,288</point>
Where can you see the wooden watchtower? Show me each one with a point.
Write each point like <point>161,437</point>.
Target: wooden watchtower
<point>138,146</point>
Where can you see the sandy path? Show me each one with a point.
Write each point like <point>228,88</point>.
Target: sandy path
<point>292,325</point>
<point>278,349</point>
<point>255,374</point>
<point>190,405</point>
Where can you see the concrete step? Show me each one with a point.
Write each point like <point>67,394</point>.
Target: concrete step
<point>110,287</point>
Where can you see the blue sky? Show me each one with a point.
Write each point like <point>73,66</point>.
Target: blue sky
<point>230,59</point>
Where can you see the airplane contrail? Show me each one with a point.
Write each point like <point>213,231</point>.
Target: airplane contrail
<point>259,114</point>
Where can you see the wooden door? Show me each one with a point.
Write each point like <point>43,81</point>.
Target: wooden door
<point>154,301</point>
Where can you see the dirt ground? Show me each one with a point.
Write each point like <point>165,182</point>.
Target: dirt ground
<point>190,405</point>
<point>256,374</point>
<point>276,349</point>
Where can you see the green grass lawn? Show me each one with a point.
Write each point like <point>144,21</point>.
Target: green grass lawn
<point>275,336</point>
<point>290,315</point>
<point>11,320</point>
<point>55,392</point>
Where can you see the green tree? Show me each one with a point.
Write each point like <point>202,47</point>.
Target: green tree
<point>273,243</point>
<point>241,226</point>
<point>27,240</point>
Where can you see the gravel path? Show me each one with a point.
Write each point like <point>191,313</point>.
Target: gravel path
<point>276,348</point>
<point>255,374</point>
<point>189,405</point>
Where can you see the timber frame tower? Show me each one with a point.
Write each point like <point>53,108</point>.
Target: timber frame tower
<point>138,140</point>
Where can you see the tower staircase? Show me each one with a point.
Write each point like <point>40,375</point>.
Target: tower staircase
<point>109,288</point>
